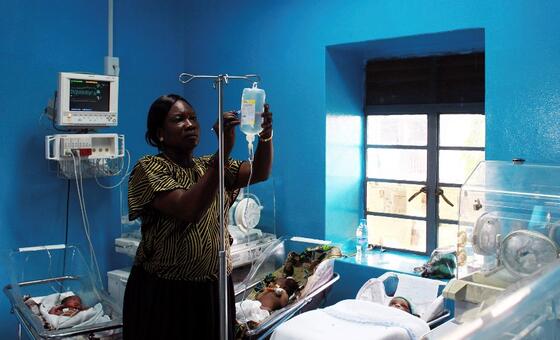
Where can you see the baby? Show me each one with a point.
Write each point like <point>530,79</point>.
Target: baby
<point>401,303</point>
<point>274,296</point>
<point>277,294</point>
<point>69,306</point>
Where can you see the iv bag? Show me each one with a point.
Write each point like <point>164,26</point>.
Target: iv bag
<point>252,107</point>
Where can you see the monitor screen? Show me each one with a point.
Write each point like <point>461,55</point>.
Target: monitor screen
<point>89,95</point>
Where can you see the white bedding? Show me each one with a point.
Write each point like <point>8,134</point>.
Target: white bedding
<point>86,317</point>
<point>353,319</point>
<point>422,292</point>
<point>250,310</point>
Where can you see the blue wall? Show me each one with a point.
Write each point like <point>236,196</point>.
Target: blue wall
<point>294,46</point>
<point>311,54</point>
<point>40,39</point>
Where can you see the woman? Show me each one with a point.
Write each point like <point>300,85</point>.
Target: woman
<point>173,290</point>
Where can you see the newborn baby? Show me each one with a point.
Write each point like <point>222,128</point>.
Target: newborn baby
<point>401,303</point>
<point>69,306</point>
<point>275,296</point>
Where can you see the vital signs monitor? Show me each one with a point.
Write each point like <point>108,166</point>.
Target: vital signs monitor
<point>87,100</point>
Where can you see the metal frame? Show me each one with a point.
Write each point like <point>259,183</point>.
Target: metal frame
<point>58,334</point>
<point>433,112</point>
<point>219,81</point>
<point>267,327</point>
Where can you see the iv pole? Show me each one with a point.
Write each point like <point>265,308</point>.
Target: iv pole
<point>219,81</point>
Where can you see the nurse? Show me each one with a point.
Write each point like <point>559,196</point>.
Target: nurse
<point>173,286</point>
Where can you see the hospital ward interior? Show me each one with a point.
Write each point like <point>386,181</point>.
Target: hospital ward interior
<point>190,169</point>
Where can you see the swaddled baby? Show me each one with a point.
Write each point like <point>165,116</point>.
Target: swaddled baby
<point>69,306</point>
<point>275,296</point>
<point>403,304</point>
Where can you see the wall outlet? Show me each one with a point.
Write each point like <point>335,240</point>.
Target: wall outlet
<point>112,66</point>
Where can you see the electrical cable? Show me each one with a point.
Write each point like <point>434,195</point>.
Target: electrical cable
<point>126,174</point>
<point>92,252</point>
<point>85,220</point>
<point>66,226</point>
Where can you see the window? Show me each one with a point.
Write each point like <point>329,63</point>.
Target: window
<point>418,155</point>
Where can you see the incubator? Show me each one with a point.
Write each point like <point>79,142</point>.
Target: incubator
<point>251,224</point>
<point>508,231</point>
<point>41,277</point>
<point>310,264</point>
<point>527,309</point>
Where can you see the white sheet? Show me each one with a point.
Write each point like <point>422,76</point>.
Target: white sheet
<point>250,310</point>
<point>353,319</point>
<point>86,317</point>
<point>421,292</point>
<point>323,273</point>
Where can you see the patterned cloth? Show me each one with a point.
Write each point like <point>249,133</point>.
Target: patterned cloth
<point>170,248</point>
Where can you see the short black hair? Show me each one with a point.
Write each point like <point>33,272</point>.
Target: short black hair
<point>291,286</point>
<point>156,116</point>
<point>69,298</point>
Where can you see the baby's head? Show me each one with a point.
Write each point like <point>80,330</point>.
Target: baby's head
<point>288,284</point>
<point>401,303</point>
<point>72,301</point>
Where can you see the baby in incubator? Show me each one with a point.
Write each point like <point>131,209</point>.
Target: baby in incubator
<point>275,296</point>
<point>401,303</point>
<point>69,306</point>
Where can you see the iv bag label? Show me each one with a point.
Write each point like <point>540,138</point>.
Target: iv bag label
<point>248,107</point>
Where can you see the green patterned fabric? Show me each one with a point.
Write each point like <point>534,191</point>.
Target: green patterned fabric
<point>299,266</point>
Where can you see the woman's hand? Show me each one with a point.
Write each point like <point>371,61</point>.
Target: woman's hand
<point>230,122</point>
<point>266,133</point>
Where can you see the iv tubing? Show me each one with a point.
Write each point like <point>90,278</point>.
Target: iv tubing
<point>219,81</point>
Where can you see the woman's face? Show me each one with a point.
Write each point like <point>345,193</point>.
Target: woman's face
<point>180,130</point>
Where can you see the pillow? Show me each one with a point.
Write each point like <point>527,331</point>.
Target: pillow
<point>374,291</point>
<point>323,273</point>
<point>434,310</point>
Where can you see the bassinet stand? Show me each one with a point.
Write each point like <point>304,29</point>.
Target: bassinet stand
<point>219,81</point>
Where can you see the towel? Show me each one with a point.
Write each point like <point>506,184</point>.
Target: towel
<point>86,317</point>
<point>250,310</point>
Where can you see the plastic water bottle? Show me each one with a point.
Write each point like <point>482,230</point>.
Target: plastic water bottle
<point>252,107</point>
<point>361,238</point>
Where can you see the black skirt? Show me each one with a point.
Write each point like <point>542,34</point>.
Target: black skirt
<point>156,308</point>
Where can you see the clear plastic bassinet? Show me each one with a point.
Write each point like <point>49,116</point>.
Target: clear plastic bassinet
<point>41,271</point>
<point>314,280</point>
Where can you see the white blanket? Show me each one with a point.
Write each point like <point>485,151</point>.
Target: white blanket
<point>323,273</point>
<point>86,317</point>
<point>353,319</point>
<point>250,310</point>
<point>421,292</point>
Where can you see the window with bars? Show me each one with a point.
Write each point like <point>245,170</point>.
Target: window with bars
<point>418,155</point>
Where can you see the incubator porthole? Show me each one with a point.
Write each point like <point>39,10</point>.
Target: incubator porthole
<point>524,252</point>
<point>247,212</point>
<point>486,230</point>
